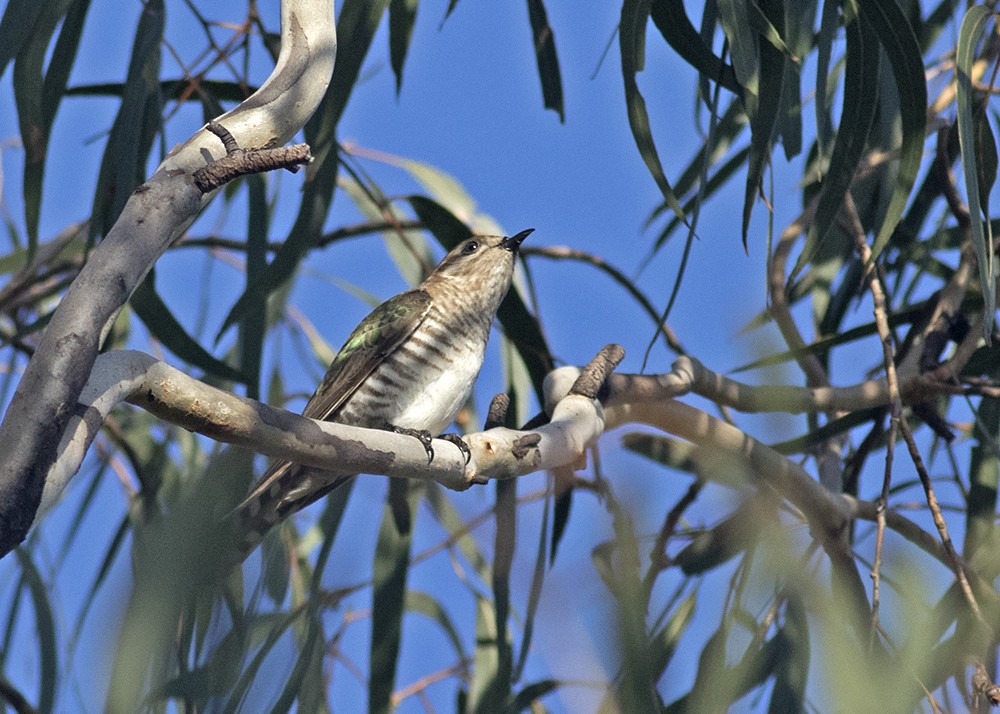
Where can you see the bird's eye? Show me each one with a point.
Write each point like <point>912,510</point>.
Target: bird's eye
<point>471,247</point>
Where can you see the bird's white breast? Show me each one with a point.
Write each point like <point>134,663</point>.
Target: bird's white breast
<point>433,404</point>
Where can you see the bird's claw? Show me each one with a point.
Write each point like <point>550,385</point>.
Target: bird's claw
<point>425,438</point>
<point>460,443</point>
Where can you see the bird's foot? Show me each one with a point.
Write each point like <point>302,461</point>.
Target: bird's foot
<point>425,438</point>
<point>460,443</point>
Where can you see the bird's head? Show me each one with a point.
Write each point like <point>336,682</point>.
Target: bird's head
<point>484,263</point>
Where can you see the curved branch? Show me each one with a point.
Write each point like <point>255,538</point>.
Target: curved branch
<point>156,214</point>
<point>498,453</point>
<point>125,375</point>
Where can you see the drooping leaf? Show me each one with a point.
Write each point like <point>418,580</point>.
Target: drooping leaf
<point>792,671</point>
<point>431,607</point>
<point>504,545</point>
<point>162,323</point>
<point>664,642</point>
<point>734,15</point>
<point>971,31</point>
<point>34,110</point>
<point>253,325</point>
<point>123,165</point>
<point>390,569</point>
<point>632,41</point>
<point>986,151</point>
<point>45,626</point>
<point>16,27</point>
<point>824,41</point>
<point>891,26</point>
<point>535,593</point>
<point>671,19</point>
<point>402,16</point>
<point>356,26</point>
<point>530,694</point>
<point>548,61</point>
<point>984,480</point>
<point>763,109</point>
<point>487,690</point>
<point>860,88</point>
<point>173,89</point>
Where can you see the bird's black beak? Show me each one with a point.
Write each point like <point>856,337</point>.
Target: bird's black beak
<point>514,242</point>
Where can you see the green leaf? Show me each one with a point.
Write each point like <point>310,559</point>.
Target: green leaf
<point>824,41</point>
<point>253,326</point>
<point>672,453</point>
<point>447,515</point>
<point>800,18</point>
<point>973,27</point>
<point>273,628</point>
<point>734,15</point>
<point>17,26</point>
<point>103,571</point>
<point>356,26</point>
<point>530,694</point>
<point>402,15</point>
<point>176,90</point>
<point>632,41</point>
<point>162,324</point>
<point>893,30</point>
<point>390,568</point>
<point>430,607</point>
<point>763,110</point>
<point>733,165</point>
<point>34,112</point>
<point>329,525</point>
<point>45,627</point>
<point>986,167</point>
<point>548,60</point>
<point>731,536</point>
<point>310,656</point>
<point>981,532</point>
<point>123,166</point>
<point>831,430</point>
<point>664,642</point>
<point>671,19</point>
<point>487,694</point>
<point>535,594</point>
<point>504,544</point>
<point>792,670</point>
<point>859,107</point>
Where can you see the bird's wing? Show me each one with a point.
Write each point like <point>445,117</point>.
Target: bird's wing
<point>286,487</point>
<point>372,341</point>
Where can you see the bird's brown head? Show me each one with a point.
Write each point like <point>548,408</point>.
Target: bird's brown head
<point>477,271</point>
<point>485,262</point>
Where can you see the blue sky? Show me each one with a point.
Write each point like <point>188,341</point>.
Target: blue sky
<point>471,106</point>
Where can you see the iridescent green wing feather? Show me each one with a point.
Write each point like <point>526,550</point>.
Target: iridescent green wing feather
<point>372,341</point>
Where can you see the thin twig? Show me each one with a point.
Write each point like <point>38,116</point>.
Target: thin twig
<point>565,253</point>
<point>854,226</point>
<point>882,323</point>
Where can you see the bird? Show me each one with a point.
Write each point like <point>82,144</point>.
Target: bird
<point>408,367</point>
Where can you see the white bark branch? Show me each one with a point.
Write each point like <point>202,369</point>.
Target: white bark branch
<point>576,424</point>
<point>136,377</point>
<point>155,215</point>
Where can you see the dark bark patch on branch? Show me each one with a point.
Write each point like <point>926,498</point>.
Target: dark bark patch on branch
<point>241,162</point>
<point>593,376</point>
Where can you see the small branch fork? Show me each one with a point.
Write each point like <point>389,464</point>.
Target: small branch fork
<point>240,162</point>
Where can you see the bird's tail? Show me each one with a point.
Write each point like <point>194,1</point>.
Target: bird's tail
<point>285,488</point>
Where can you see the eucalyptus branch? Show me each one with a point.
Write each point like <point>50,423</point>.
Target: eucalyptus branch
<point>156,214</point>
